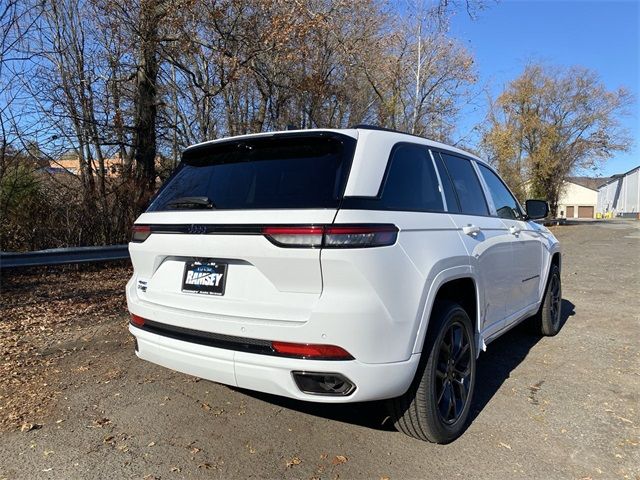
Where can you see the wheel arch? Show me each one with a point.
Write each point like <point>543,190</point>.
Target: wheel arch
<point>458,284</point>
<point>555,258</point>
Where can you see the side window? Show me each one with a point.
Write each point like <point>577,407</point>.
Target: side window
<point>506,205</point>
<point>447,185</point>
<point>467,185</point>
<point>410,183</point>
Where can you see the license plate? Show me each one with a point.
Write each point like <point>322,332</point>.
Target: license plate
<point>204,277</point>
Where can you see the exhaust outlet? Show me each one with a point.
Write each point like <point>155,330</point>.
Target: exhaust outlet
<point>321,383</point>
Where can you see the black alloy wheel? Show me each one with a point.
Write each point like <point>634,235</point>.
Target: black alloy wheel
<point>555,300</point>
<point>436,406</point>
<point>453,373</point>
<point>549,318</point>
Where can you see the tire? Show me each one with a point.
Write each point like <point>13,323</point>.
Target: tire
<point>428,411</point>
<point>548,319</point>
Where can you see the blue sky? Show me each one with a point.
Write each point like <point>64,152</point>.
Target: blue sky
<point>601,35</point>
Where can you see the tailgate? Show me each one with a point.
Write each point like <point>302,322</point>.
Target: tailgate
<point>263,281</point>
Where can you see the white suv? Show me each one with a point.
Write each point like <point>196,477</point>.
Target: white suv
<point>339,266</point>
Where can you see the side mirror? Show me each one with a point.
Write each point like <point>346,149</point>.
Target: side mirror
<point>537,209</point>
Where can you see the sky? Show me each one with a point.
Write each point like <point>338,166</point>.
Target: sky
<point>601,35</point>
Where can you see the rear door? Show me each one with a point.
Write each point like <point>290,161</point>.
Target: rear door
<point>209,244</point>
<point>485,237</point>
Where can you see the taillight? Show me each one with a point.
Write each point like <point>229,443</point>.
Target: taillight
<point>309,237</point>
<point>332,236</point>
<point>139,233</point>
<point>337,236</point>
<point>312,351</point>
<point>137,320</point>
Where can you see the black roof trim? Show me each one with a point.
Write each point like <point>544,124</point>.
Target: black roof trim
<point>365,126</point>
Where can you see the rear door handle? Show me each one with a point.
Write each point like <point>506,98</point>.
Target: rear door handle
<point>471,230</point>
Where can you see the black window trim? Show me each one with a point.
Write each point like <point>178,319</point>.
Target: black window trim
<point>484,193</point>
<point>445,203</point>
<point>523,215</point>
<point>446,172</point>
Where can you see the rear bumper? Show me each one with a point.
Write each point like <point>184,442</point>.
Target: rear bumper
<point>271,374</point>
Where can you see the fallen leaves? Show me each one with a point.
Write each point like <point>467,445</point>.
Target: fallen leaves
<point>27,427</point>
<point>339,459</point>
<point>293,461</point>
<point>100,423</point>
<point>38,307</point>
<point>216,411</point>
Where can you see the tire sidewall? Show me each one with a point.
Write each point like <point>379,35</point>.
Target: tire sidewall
<point>551,326</point>
<point>449,314</point>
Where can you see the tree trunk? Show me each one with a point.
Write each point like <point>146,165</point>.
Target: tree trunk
<point>144,142</point>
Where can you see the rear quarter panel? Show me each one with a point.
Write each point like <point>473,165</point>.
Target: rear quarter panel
<point>394,284</point>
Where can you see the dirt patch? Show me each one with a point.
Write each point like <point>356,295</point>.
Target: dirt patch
<point>43,311</point>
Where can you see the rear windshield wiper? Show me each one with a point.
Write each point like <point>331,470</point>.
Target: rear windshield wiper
<point>190,202</point>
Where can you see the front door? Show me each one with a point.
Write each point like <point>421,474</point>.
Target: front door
<point>486,238</point>
<point>525,241</point>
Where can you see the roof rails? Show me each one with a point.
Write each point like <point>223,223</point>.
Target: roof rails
<point>365,126</point>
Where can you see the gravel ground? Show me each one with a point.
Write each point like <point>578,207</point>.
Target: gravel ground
<point>75,402</point>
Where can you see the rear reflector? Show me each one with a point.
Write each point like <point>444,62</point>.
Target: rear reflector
<point>332,236</point>
<point>139,233</point>
<point>137,320</point>
<point>311,351</point>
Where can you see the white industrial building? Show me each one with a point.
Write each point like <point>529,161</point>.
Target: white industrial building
<point>620,195</point>
<point>578,197</point>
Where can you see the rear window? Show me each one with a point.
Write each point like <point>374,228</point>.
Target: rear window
<point>292,171</point>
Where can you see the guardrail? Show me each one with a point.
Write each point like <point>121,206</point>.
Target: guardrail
<point>61,256</point>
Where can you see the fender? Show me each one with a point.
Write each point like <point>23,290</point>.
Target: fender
<point>546,269</point>
<point>432,288</point>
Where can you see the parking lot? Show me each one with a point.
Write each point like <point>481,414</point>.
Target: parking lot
<point>75,402</point>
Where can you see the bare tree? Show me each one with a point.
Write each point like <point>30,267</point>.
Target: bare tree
<point>551,122</point>
<point>139,80</point>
